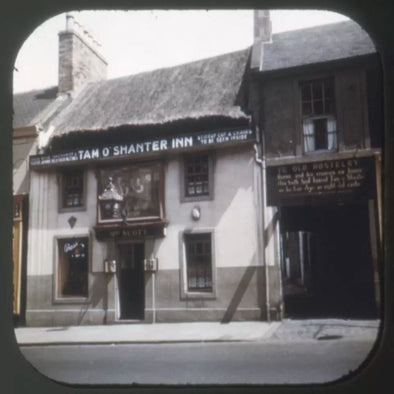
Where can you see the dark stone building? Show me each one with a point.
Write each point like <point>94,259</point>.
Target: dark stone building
<point>317,105</point>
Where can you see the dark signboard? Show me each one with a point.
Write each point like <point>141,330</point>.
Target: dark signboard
<point>333,180</point>
<point>148,146</point>
<point>142,231</point>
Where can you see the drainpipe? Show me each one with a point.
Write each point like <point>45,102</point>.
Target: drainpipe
<point>261,163</point>
<point>153,297</point>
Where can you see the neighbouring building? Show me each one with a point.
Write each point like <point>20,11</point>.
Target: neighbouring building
<point>33,112</point>
<point>222,189</point>
<point>319,116</point>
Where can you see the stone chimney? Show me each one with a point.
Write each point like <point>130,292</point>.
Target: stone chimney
<point>80,61</point>
<point>262,34</point>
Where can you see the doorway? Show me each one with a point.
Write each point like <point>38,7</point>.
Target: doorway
<point>131,281</point>
<point>326,263</point>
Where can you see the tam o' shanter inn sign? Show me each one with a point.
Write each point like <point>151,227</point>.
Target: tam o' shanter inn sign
<point>330,180</point>
<point>142,147</point>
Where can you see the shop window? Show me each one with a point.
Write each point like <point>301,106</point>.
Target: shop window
<point>73,267</point>
<point>130,193</point>
<point>197,177</point>
<point>72,195</point>
<point>318,115</point>
<point>198,262</point>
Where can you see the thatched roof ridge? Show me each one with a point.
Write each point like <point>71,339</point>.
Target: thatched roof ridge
<point>317,44</point>
<point>200,89</point>
<point>29,105</point>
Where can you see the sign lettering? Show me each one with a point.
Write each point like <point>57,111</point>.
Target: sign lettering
<point>294,183</point>
<point>145,147</point>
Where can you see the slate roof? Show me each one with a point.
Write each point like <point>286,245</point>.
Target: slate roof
<point>316,45</point>
<point>200,89</point>
<point>206,88</point>
<point>28,105</point>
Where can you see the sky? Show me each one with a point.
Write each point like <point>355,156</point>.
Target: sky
<point>138,41</point>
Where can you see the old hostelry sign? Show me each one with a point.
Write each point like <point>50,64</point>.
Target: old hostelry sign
<point>338,179</point>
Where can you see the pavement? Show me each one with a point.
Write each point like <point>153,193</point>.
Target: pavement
<point>251,331</point>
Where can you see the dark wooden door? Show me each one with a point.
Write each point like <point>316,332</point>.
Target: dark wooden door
<point>341,271</point>
<point>131,281</point>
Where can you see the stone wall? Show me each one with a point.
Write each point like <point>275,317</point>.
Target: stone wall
<point>79,62</point>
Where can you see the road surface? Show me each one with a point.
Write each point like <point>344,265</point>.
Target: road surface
<point>269,362</point>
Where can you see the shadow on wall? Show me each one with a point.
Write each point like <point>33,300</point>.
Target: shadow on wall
<point>243,284</point>
<point>246,279</point>
<point>98,293</point>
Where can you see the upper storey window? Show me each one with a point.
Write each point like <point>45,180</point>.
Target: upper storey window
<point>197,179</point>
<point>318,115</point>
<point>130,193</point>
<point>72,190</point>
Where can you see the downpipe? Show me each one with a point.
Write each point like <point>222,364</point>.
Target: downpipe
<point>263,197</point>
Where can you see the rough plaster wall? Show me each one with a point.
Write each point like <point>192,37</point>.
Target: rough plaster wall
<point>279,117</point>
<point>46,223</point>
<point>39,258</point>
<point>351,107</point>
<point>21,150</point>
<point>231,213</point>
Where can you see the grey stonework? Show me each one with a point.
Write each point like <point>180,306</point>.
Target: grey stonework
<point>78,63</point>
<point>240,296</point>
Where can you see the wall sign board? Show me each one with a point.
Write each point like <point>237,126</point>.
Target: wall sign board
<point>333,180</point>
<point>148,146</point>
<point>130,232</point>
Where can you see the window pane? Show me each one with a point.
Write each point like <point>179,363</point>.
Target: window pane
<point>72,188</point>
<point>328,90</point>
<point>318,107</point>
<point>317,90</point>
<point>320,126</point>
<point>132,192</point>
<point>306,92</point>
<point>73,267</point>
<point>317,97</point>
<point>196,176</point>
<point>198,261</point>
<point>309,136</point>
<point>306,108</point>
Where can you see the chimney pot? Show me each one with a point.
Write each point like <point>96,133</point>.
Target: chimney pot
<point>79,59</point>
<point>262,35</point>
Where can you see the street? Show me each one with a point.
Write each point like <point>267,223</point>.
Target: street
<point>265,362</point>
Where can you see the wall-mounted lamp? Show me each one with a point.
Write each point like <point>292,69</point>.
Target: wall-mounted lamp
<point>196,213</point>
<point>110,201</point>
<point>109,266</point>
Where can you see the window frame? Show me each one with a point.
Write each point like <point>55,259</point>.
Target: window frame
<point>185,293</point>
<point>100,187</point>
<point>313,116</point>
<point>65,299</point>
<point>61,190</point>
<point>183,163</point>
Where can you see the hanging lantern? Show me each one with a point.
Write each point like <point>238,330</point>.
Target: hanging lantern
<point>110,202</point>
